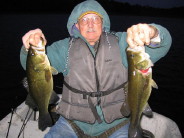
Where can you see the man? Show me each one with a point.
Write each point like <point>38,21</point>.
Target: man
<point>93,62</point>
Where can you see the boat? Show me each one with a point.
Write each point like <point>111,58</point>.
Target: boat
<point>22,122</point>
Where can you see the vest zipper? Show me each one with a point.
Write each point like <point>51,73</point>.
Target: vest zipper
<point>96,75</point>
<point>93,108</point>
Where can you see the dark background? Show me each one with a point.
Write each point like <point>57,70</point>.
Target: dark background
<point>18,17</point>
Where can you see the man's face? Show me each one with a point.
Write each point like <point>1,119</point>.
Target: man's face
<point>90,27</point>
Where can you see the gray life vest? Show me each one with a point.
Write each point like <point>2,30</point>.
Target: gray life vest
<point>94,81</point>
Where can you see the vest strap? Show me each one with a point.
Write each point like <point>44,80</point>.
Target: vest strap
<point>94,94</point>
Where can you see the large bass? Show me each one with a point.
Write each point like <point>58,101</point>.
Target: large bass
<point>40,82</point>
<point>140,84</point>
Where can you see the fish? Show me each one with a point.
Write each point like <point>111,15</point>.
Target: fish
<point>54,100</point>
<point>140,85</point>
<point>40,81</point>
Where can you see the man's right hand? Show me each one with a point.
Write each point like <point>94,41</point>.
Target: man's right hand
<point>33,37</point>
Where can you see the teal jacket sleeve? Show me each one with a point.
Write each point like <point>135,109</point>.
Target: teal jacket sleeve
<point>57,54</point>
<point>23,57</point>
<point>155,52</point>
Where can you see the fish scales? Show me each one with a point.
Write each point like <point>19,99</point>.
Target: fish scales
<point>40,81</point>
<point>139,89</point>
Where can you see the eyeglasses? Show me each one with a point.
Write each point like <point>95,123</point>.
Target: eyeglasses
<point>94,19</point>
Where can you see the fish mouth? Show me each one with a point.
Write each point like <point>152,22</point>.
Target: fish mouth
<point>144,65</point>
<point>145,71</point>
<point>40,49</point>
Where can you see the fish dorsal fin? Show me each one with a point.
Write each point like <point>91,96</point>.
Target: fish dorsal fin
<point>54,71</point>
<point>153,84</point>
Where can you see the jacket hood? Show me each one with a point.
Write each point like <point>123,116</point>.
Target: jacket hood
<point>88,5</point>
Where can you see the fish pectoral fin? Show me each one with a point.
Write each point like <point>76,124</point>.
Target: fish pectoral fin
<point>44,121</point>
<point>54,71</point>
<point>147,111</point>
<point>153,84</point>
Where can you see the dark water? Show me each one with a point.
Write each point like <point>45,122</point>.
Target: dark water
<point>168,100</point>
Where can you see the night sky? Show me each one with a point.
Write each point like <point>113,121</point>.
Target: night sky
<point>156,3</point>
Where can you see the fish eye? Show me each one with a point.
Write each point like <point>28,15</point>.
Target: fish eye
<point>132,55</point>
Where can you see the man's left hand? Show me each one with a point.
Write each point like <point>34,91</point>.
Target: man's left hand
<point>140,35</point>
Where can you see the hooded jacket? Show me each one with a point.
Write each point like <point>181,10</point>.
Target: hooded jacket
<point>58,54</point>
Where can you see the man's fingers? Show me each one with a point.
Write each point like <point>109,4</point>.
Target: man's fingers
<point>37,38</point>
<point>140,35</point>
<point>33,38</point>
<point>44,40</point>
<point>146,31</point>
<point>131,43</point>
<point>134,38</point>
<point>130,38</point>
<point>137,39</point>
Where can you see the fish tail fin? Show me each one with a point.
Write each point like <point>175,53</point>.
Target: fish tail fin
<point>134,132</point>
<point>45,121</point>
<point>147,134</point>
<point>138,132</point>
